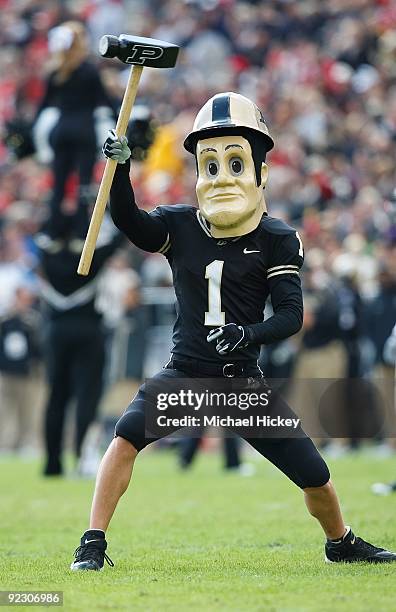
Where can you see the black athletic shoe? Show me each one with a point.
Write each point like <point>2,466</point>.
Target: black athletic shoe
<point>352,549</point>
<point>53,467</point>
<point>90,555</point>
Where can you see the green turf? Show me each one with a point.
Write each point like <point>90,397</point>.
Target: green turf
<point>197,541</point>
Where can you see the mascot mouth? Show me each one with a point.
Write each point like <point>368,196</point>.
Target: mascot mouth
<point>224,196</point>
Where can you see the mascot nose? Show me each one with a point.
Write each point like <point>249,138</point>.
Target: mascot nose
<point>223,179</point>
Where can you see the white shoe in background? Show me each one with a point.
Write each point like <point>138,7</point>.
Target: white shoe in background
<point>382,488</point>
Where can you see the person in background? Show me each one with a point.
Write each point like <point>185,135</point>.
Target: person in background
<point>350,325</point>
<point>68,115</point>
<point>74,344</point>
<point>189,447</point>
<point>322,355</point>
<point>389,355</point>
<point>19,354</point>
<point>125,319</point>
<point>381,321</point>
<point>382,312</point>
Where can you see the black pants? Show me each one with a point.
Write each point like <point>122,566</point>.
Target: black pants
<point>75,359</point>
<point>71,154</point>
<point>296,457</point>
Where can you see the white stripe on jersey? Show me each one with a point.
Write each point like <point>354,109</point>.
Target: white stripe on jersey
<point>166,246</point>
<point>282,268</point>
<point>282,272</point>
<point>202,223</point>
<point>66,302</point>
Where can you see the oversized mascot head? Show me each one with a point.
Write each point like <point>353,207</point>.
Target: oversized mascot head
<point>230,141</point>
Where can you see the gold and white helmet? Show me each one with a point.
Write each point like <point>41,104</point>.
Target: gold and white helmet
<point>225,114</point>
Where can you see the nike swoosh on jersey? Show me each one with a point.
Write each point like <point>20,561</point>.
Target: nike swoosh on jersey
<point>246,251</point>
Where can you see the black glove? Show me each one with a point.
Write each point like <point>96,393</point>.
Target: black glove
<point>230,337</point>
<point>116,147</point>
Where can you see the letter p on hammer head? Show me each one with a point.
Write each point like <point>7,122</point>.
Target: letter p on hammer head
<point>139,51</point>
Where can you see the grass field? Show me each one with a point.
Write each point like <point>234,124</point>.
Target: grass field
<point>197,541</point>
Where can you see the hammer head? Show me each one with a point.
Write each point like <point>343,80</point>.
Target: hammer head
<point>141,51</point>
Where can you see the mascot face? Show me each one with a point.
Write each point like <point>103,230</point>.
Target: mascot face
<point>228,195</point>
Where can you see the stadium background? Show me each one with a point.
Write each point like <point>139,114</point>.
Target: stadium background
<point>324,76</point>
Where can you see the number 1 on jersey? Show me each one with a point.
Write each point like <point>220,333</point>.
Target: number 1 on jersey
<point>213,273</point>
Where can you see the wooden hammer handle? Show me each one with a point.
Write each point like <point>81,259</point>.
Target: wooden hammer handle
<point>108,175</point>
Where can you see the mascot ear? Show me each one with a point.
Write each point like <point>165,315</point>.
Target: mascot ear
<point>264,174</point>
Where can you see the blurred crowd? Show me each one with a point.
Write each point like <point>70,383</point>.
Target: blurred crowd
<point>324,75</point>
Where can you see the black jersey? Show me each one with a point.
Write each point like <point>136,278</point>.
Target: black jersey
<point>65,293</point>
<point>218,281</point>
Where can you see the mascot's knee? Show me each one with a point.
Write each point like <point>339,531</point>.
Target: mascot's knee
<point>124,448</point>
<point>318,475</point>
<point>129,427</point>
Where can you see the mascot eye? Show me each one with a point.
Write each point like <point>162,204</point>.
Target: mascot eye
<point>236,166</point>
<point>212,168</point>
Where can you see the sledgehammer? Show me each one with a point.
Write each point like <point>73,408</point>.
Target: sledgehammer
<point>139,52</point>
